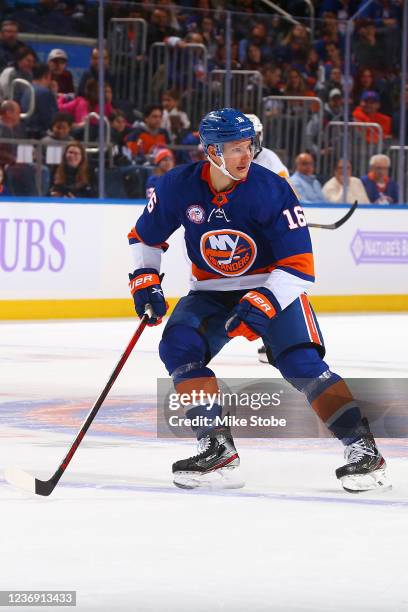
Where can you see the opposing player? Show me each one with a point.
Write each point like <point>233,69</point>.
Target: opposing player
<point>263,156</point>
<point>252,262</point>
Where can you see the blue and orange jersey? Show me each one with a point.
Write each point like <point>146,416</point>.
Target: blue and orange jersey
<point>236,238</point>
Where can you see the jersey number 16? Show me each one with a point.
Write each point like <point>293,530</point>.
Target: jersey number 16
<point>300,217</point>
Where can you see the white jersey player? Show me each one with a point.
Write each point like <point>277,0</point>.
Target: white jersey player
<point>265,157</point>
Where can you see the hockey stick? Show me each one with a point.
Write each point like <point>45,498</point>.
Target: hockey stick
<point>339,223</point>
<point>24,480</point>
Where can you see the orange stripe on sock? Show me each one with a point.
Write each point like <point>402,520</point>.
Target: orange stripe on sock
<point>207,385</point>
<point>333,398</point>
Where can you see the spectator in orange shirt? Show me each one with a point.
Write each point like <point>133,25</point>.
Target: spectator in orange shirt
<point>368,112</point>
<point>149,135</point>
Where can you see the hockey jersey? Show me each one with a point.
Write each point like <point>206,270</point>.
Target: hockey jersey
<point>269,159</point>
<point>255,234</point>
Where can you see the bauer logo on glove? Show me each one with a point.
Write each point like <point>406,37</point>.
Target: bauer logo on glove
<point>250,318</point>
<point>145,287</point>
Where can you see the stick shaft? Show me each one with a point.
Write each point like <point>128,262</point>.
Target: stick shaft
<point>45,488</point>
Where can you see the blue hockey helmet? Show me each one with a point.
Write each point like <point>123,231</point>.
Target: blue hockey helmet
<point>224,125</point>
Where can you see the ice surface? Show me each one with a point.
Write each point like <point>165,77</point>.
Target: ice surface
<point>117,531</point>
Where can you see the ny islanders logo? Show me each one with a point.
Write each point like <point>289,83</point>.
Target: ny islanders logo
<point>228,252</point>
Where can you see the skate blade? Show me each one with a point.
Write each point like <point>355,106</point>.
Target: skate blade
<point>224,478</point>
<point>376,481</point>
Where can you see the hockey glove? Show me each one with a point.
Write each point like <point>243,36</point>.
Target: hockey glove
<point>145,288</point>
<point>251,317</point>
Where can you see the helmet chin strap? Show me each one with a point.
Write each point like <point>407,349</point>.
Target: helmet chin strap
<point>222,168</point>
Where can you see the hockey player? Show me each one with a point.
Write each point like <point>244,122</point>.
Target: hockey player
<point>252,263</point>
<point>263,156</point>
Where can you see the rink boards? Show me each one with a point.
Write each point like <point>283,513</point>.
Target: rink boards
<point>71,259</point>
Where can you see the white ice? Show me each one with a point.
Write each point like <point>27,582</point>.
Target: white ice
<point>117,531</point>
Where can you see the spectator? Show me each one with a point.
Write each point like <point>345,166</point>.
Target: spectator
<point>294,48</point>
<point>369,52</point>
<point>145,137</point>
<point>253,59</point>
<point>45,104</point>
<point>22,69</point>
<point>258,36</point>
<point>379,187</point>
<point>164,161</point>
<point>72,178</point>
<point>329,34</point>
<point>3,186</point>
<point>335,81</point>
<point>57,61</point>
<point>272,80</point>
<point>119,132</point>
<point>333,189</point>
<point>368,112</point>
<point>304,181</point>
<point>332,111</point>
<point>174,120</point>
<point>333,59</point>
<point>296,85</point>
<point>10,127</point>
<point>364,82</point>
<point>9,43</point>
<point>60,131</point>
<point>80,107</point>
<point>57,138</point>
<point>93,72</point>
<point>159,28</point>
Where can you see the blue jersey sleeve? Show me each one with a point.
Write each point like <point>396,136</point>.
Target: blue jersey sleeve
<point>160,217</point>
<point>284,225</point>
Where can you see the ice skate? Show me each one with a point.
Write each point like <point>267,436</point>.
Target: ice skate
<point>262,356</point>
<point>365,469</point>
<point>215,465</point>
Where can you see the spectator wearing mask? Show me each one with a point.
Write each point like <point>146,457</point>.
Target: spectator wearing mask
<point>368,112</point>
<point>9,43</point>
<point>57,61</point>
<point>174,121</point>
<point>304,181</point>
<point>163,161</point>
<point>72,178</point>
<point>21,69</point>
<point>45,104</point>
<point>333,189</point>
<point>378,185</point>
<point>149,134</point>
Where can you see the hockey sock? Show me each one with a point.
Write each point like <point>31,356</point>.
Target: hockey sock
<point>326,392</point>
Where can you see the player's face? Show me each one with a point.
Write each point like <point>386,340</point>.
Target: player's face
<point>238,156</point>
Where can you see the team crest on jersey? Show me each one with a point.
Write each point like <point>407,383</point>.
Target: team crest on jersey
<point>228,252</point>
<point>195,213</point>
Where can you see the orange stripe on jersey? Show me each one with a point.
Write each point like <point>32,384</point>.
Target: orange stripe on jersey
<point>133,235</point>
<point>201,275</point>
<point>258,300</point>
<point>303,262</point>
<point>309,318</point>
<point>331,400</point>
